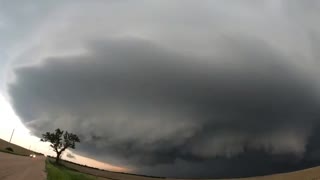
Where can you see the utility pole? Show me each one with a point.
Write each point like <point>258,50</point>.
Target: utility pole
<point>11,135</point>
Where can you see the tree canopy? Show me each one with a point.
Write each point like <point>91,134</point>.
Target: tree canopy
<point>60,141</point>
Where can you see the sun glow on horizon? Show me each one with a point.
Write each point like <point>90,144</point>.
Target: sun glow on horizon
<point>22,136</point>
<point>95,163</point>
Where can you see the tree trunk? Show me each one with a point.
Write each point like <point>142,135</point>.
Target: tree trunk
<point>58,157</point>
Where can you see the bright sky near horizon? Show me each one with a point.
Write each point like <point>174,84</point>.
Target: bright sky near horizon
<point>10,121</point>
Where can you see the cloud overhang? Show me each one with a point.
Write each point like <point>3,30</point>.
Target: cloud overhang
<point>195,96</point>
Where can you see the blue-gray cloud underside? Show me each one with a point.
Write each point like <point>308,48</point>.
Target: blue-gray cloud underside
<point>137,104</point>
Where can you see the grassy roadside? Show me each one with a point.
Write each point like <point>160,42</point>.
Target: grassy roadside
<point>55,172</point>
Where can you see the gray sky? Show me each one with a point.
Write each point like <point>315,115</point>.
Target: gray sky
<point>161,85</point>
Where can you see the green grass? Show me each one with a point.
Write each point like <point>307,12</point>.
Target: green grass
<point>55,172</point>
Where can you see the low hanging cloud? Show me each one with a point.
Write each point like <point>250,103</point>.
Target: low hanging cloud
<point>143,105</point>
<point>198,108</point>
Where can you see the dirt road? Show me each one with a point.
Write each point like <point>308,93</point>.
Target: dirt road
<point>13,167</point>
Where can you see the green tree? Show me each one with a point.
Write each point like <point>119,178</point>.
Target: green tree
<point>60,141</point>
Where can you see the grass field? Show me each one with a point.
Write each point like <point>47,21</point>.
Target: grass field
<point>55,172</point>
<point>18,150</point>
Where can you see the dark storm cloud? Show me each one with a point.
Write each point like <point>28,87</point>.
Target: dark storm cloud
<point>167,92</point>
<point>135,103</point>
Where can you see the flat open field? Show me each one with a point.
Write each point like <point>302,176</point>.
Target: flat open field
<point>16,149</point>
<point>306,174</point>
